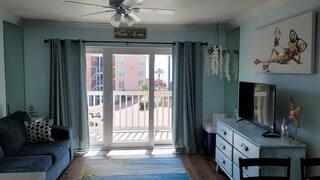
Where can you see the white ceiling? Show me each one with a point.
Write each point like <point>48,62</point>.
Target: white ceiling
<point>187,11</point>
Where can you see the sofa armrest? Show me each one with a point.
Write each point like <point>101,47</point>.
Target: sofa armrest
<point>61,133</point>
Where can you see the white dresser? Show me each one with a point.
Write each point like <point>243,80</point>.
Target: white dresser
<point>244,139</point>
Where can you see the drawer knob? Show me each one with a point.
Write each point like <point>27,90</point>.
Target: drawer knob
<point>223,147</point>
<point>224,132</point>
<point>223,161</point>
<point>245,148</point>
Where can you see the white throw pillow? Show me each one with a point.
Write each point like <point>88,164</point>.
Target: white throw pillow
<point>39,131</point>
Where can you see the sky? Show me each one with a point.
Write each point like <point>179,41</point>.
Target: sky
<point>161,61</point>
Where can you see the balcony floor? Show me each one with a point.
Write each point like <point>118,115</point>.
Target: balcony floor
<point>132,136</point>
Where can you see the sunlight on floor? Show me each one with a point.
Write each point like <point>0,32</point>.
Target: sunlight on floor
<point>134,153</point>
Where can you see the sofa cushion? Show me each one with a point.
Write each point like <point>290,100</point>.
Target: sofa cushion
<point>12,136</point>
<point>25,164</point>
<point>19,116</point>
<point>56,149</point>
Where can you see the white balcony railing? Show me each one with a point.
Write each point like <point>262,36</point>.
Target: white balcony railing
<point>131,110</point>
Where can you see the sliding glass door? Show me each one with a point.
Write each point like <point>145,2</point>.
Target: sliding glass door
<point>135,99</point>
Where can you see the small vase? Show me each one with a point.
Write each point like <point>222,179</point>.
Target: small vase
<point>295,140</point>
<point>235,113</point>
<point>284,131</point>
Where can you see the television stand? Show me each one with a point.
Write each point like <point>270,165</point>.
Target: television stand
<point>243,139</point>
<point>270,134</point>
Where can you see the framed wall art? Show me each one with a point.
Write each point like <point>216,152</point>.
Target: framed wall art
<point>286,47</point>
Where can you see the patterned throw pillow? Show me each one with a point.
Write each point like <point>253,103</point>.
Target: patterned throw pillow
<point>39,131</point>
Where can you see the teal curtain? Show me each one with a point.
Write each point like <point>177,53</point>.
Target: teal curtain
<point>187,96</point>
<point>68,95</point>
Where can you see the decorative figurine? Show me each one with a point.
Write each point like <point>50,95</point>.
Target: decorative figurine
<point>294,116</point>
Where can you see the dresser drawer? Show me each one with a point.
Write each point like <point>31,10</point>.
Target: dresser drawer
<point>236,173</point>
<point>245,147</point>
<point>225,132</point>
<point>251,171</point>
<point>224,162</point>
<point>224,146</point>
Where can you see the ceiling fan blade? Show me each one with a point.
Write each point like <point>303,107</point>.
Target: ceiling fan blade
<point>135,17</point>
<point>89,4</point>
<point>99,12</point>
<point>169,12</point>
<point>131,3</point>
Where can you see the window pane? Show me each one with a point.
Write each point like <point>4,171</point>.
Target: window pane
<point>94,81</point>
<point>121,60</point>
<point>140,83</point>
<point>90,100</point>
<point>130,98</point>
<point>97,100</point>
<point>141,73</point>
<point>162,98</point>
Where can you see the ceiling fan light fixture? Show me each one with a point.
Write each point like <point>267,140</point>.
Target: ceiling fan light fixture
<point>116,20</point>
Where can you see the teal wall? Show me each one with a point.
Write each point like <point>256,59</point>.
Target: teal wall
<point>37,57</point>
<point>231,87</point>
<point>304,88</point>
<point>4,16</point>
<point>14,66</point>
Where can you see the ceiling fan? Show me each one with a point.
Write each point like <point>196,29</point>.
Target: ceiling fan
<point>124,11</point>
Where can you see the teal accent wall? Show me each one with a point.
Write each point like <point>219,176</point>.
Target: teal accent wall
<point>14,67</point>
<point>304,88</point>
<point>37,57</point>
<point>231,87</point>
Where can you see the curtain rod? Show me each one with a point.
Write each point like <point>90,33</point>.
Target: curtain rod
<point>128,42</point>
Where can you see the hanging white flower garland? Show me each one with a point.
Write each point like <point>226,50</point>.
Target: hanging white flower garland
<point>218,62</point>
<point>227,66</point>
<point>214,58</point>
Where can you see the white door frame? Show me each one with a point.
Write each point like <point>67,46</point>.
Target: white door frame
<point>108,90</point>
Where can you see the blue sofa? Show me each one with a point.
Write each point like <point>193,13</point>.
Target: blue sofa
<point>17,156</point>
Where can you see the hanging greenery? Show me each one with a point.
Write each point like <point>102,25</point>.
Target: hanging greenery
<point>223,62</point>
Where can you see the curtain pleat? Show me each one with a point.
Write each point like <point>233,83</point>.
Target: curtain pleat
<point>68,95</point>
<point>187,96</point>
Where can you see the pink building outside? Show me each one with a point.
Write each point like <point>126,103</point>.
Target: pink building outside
<point>129,72</point>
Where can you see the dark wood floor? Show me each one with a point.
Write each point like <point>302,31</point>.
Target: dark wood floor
<point>199,167</point>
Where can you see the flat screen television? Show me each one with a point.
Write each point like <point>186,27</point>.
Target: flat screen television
<point>257,104</point>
